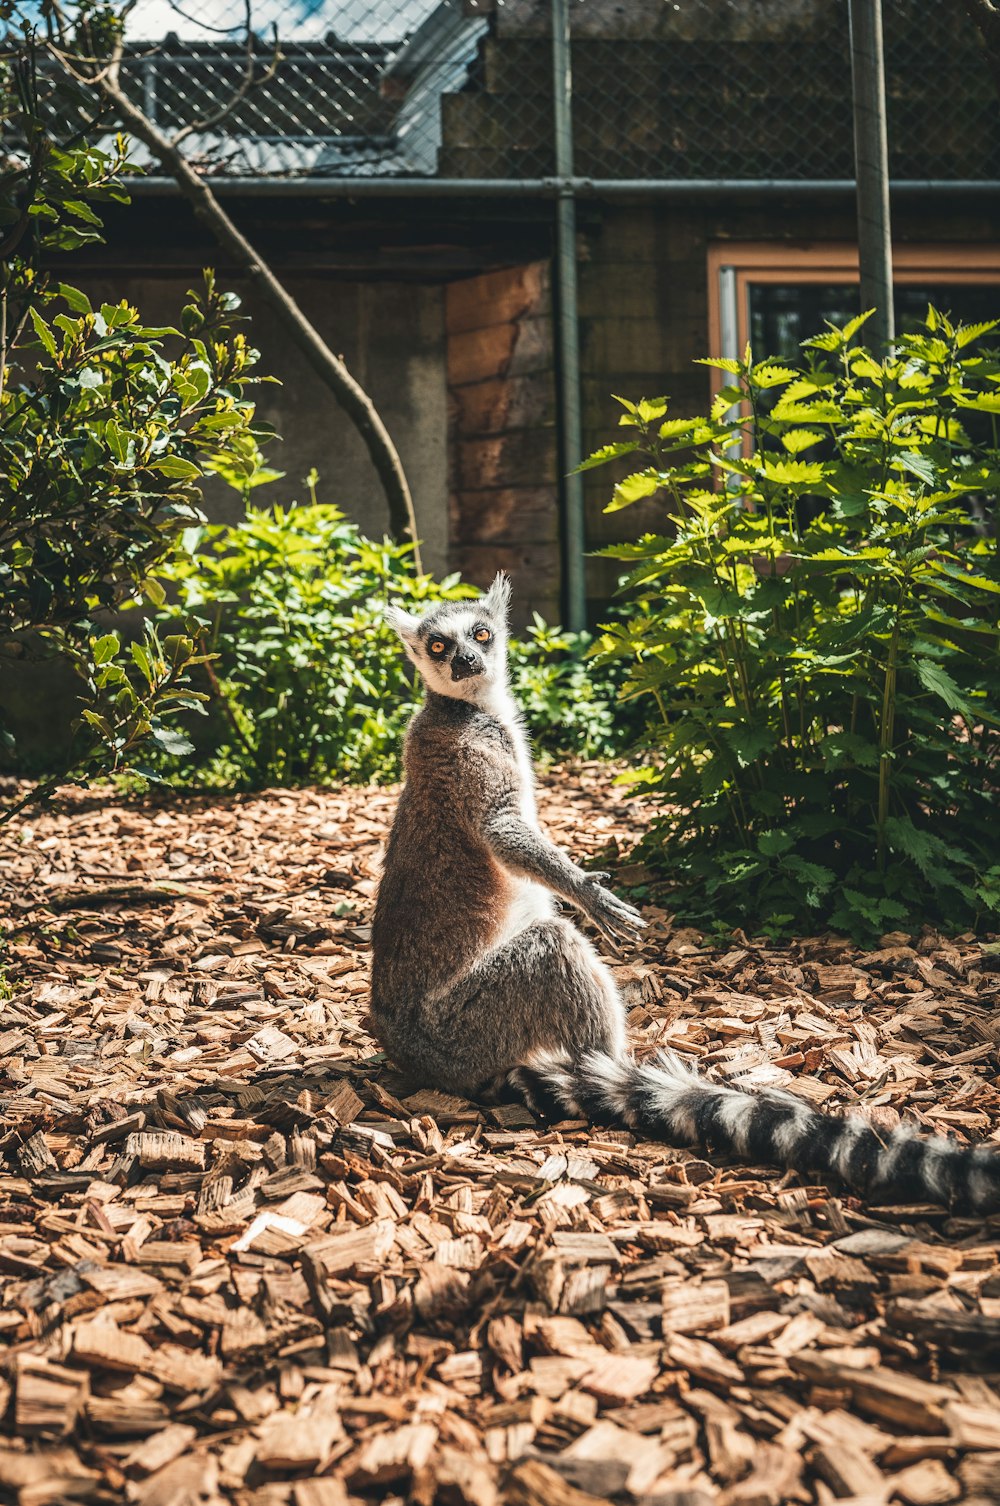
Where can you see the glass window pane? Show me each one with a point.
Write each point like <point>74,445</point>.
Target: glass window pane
<point>782,315</point>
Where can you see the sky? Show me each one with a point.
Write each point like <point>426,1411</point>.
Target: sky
<point>351,20</point>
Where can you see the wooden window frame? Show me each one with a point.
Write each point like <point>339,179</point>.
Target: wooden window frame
<point>734,266</point>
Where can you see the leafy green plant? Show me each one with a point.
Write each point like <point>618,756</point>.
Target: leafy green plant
<point>107,426</point>
<point>569,703</point>
<point>307,682</point>
<point>817,628</point>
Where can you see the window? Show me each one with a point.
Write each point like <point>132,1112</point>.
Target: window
<point>775,296</point>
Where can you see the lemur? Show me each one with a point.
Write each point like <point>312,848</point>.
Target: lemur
<point>480,986</point>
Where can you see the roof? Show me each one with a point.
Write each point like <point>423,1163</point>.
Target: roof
<point>662,89</point>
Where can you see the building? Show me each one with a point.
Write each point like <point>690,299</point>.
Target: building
<point>403,171</point>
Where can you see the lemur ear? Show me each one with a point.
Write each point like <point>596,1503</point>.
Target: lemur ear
<point>403,623</point>
<point>497,599</point>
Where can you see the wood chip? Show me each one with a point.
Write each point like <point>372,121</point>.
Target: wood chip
<point>242,1263</point>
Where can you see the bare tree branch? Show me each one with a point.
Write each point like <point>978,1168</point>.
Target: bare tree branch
<point>105,76</point>
<point>251,80</point>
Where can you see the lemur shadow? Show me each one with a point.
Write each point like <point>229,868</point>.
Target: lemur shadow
<point>289,1099</point>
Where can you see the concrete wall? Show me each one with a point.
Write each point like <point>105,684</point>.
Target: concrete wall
<point>392,338</point>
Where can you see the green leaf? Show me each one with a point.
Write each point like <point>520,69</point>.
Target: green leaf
<point>815,411</point>
<point>674,428</point>
<point>81,210</point>
<point>862,365</point>
<point>140,657</point>
<point>853,325</point>
<point>768,374</point>
<point>177,468</point>
<point>720,363</point>
<point>847,556</point>
<point>967,333</point>
<point>816,879</point>
<point>966,577</point>
<point>774,843</point>
<point>174,743</point>
<point>929,852</point>
<point>921,466</point>
<point>650,408</point>
<point>848,747</point>
<point>105,648</point>
<point>78,302</point>
<point>42,330</point>
<point>935,678</point>
<point>94,719</point>
<point>633,489</point>
<point>797,440</point>
<point>608,452</point>
<point>793,472</point>
<point>117,442</point>
<point>980,402</point>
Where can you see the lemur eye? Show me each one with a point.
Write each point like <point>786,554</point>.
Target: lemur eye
<point>482,635</point>
<point>436,646</point>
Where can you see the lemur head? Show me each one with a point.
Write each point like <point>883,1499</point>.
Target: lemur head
<point>459,647</point>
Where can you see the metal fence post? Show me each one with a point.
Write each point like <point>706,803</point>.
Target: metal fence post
<point>871,158</point>
<point>568,324</point>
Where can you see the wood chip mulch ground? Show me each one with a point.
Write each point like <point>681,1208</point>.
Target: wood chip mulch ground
<point>241,1262</point>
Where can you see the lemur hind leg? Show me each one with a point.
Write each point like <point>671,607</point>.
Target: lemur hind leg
<point>544,990</point>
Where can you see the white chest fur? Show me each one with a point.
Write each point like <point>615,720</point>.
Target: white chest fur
<point>502,707</point>
<point>530,902</point>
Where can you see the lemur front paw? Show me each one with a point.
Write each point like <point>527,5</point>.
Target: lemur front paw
<point>614,918</point>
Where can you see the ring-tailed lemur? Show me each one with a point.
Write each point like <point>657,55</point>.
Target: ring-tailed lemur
<point>478,983</point>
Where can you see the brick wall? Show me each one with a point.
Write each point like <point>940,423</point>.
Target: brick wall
<point>503,492</point>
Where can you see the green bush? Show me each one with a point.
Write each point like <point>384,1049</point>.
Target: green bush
<point>816,626</point>
<point>569,704</point>
<point>309,684</point>
<point>106,428</point>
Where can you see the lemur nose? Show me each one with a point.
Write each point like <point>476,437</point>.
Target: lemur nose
<point>463,666</point>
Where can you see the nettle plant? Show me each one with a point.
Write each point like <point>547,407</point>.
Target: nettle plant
<point>817,628</point>
<point>107,427</point>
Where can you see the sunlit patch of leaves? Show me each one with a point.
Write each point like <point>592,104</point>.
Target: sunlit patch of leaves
<point>814,631</point>
<point>107,428</point>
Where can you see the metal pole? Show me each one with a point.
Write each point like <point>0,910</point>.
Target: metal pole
<point>568,324</point>
<point>871,166</point>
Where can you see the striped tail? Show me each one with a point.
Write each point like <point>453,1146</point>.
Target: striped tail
<point>666,1100</point>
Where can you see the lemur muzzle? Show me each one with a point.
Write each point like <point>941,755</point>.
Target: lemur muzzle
<point>464,666</point>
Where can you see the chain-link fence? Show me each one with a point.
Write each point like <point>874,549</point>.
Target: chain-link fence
<point>463,89</point>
